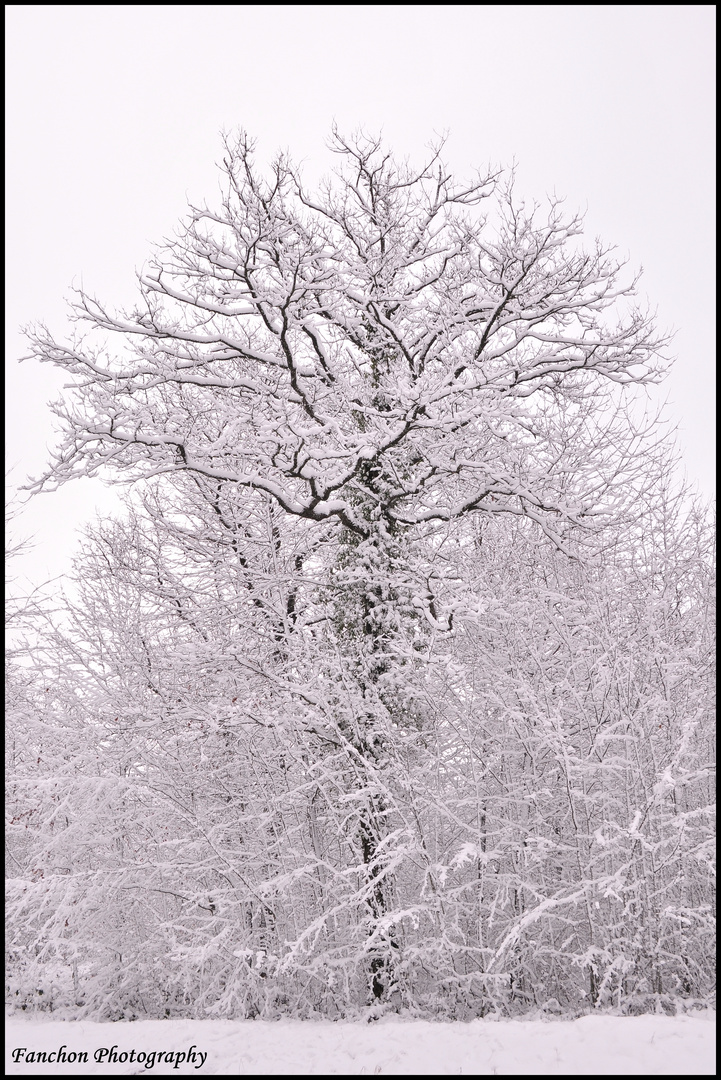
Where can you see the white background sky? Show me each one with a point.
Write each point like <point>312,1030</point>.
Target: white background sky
<point>113,120</point>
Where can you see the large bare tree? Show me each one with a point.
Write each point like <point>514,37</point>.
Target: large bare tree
<point>366,368</point>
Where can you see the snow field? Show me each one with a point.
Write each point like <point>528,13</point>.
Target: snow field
<point>592,1045</point>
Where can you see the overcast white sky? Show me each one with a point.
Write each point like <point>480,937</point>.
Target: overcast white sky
<point>114,113</point>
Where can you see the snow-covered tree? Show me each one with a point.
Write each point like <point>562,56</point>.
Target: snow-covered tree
<point>361,660</point>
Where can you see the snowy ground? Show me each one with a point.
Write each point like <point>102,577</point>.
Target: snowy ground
<point>600,1045</point>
